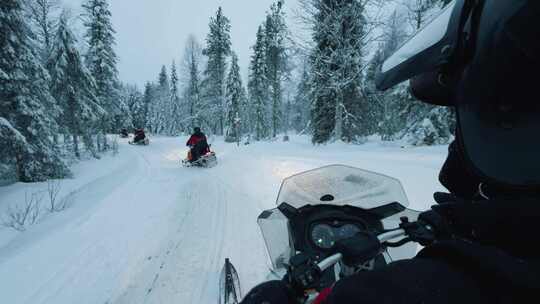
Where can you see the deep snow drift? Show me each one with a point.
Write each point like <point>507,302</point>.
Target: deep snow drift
<point>142,229</point>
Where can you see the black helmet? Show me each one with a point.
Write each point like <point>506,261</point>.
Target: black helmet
<point>196,130</point>
<point>482,56</point>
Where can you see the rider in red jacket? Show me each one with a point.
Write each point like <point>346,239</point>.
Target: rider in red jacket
<point>198,144</point>
<point>196,137</point>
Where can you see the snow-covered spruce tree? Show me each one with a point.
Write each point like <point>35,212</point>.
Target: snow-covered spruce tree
<point>44,18</point>
<point>301,107</point>
<point>373,96</point>
<point>235,95</point>
<point>434,129</point>
<point>135,101</point>
<point>192,93</point>
<point>13,143</point>
<point>26,107</point>
<point>175,123</point>
<point>148,103</point>
<point>387,106</point>
<point>276,61</point>
<point>258,87</point>
<point>218,49</point>
<point>159,110</point>
<point>336,63</point>
<point>74,88</point>
<point>101,60</point>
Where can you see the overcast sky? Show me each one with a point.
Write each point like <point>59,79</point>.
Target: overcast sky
<point>151,33</point>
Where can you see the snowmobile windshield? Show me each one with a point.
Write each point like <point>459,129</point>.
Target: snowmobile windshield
<point>424,51</point>
<point>341,185</point>
<point>335,185</point>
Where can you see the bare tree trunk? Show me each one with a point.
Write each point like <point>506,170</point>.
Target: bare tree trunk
<point>339,117</point>
<point>19,167</point>
<point>76,146</point>
<point>105,146</point>
<point>98,143</point>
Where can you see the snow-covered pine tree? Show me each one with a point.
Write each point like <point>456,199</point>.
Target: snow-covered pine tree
<point>258,87</point>
<point>218,49</point>
<point>73,88</point>
<point>301,107</point>
<point>235,95</point>
<point>135,102</point>
<point>44,17</point>
<point>192,93</point>
<point>336,63</point>
<point>374,97</point>
<point>101,60</point>
<point>434,129</point>
<point>175,123</point>
<point>276,61</point>
<point>159,111</point>
<point>13,143</point>
<point>148,103</point>
<point>26,106</point>
<point>387,106</point>
<point>122,116</point>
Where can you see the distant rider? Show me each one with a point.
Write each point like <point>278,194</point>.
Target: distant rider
<point>139,135</point>
<point>198,144</point>
<point>124,133</point>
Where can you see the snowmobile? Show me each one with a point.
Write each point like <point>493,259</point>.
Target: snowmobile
<point>208,160</point>
<point>143,142</point>
<point>140,138</point>
<point>321,213</point>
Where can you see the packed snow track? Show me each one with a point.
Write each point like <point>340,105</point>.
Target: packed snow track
<point>142,229</point>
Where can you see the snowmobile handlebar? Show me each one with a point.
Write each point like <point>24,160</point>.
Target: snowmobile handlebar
<point>303,273</point>
<point>384,237</point>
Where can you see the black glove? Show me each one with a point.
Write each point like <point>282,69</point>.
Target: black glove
<point>303,274</point>
<point>359,249</point>
<point>273,292</point>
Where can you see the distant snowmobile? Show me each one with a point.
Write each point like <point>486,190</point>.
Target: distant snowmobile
<point>140,138</point>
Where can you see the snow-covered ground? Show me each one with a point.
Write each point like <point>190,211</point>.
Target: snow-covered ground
<point>142,229</point>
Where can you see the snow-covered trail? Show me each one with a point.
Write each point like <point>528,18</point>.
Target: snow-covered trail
<point>149,231</point>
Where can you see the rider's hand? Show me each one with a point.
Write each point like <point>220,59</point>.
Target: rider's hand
<point>359,249</point>
<point>273,292</point>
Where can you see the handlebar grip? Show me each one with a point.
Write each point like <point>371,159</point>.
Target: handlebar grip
<point>330,261</point>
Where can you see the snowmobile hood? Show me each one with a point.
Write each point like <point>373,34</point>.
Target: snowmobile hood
<point>335,185</point>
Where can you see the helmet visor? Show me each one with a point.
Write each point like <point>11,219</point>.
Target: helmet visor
<point>425,50</point>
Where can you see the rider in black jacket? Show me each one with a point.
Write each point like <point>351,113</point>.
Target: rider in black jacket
<point>485,66</point>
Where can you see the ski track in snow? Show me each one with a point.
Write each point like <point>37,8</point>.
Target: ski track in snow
<point>144,230</point>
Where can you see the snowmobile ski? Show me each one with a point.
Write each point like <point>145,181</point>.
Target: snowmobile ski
<point>229,285</point>
<point>144,142</point>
